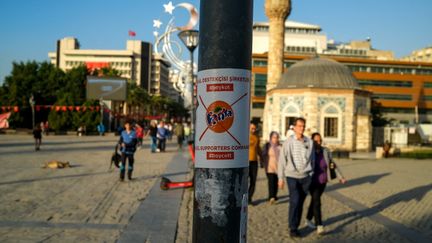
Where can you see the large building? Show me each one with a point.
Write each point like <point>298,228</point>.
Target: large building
<point>422,55</point>
<point>136,63</point>
<point>400,90</point>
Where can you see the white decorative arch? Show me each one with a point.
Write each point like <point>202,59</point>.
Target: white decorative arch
<point>291,109</point>
<point>331,110</point>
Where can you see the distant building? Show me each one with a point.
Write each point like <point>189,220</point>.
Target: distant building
<point>400,90</point>
<point>362,49</point>
<point>137,63</point>
<point>422,55</point>
<point>299,37</point>
<point>162,78</point>
<point>133,63</point>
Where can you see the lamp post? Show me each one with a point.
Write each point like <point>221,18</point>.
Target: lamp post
<point>190,40</point>
<point>32,104</point>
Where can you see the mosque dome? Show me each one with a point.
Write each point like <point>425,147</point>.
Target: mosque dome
<point>318,73</point>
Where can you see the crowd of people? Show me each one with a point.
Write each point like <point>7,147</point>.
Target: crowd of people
<point>302,163</point>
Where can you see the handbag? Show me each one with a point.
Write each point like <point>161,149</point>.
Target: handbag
<point>332,167</point>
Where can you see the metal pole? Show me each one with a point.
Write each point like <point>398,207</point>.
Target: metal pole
<point>222,121</point>
<point>101,108</point>
<point>192,98</point>
<point>32,104</point>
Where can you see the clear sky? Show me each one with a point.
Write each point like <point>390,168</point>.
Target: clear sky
<point>29,28</point>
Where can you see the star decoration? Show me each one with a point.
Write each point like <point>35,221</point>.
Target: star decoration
<point>169,7</point>
<point>157,23</point>
<point>155,33</point>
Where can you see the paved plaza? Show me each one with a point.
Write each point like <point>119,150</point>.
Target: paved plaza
<point>384,200</point>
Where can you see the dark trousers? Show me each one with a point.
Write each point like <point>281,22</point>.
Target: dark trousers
<point>272,185</point>
<point>162,144</point>
<point>180,141</point>
<point>314,211</point>
<point>153,143</point>
<point>298,189</point>
<point>130,159</point>
<point>38,142</point>
<point>253,171</point>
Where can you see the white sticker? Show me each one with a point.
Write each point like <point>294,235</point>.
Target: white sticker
<point>222,118</point>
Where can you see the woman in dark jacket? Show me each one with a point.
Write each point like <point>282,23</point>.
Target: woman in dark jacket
<point>323,158</point>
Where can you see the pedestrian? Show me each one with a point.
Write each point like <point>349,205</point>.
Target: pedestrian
<point>42,126</point>
<point>152,132</point>
<point>296,165</point>
<point>187,131</point>
<point>386,149</point>
<point>101,129</point>
<point>162,136</point>
<point>290,131</point>
<point>323,158</point>
<point>179,132</point>
<point>140,134</point>
<point>270,161</point>
<point>254,154</point>
<point>128,142</point>
<point>46,128</point>
<point>37,135</point>
<point>169,128</point>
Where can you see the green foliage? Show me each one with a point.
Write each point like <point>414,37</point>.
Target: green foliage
<point>50,85</point>
<point>417,154</point>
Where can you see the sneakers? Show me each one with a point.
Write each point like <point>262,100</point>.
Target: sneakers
<point>294,233</point>
<point>309,224</point>
<point>272,201</point>
<point>320,230</point>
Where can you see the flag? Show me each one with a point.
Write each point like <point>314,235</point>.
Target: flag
<point>4,123</point>
<point>132,33</point>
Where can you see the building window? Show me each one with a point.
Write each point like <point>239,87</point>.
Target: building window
<point>331,127</point>
<point>392,97</point>
<point>386,83</point>
<point>259,63</point>
<point>289,120</point>
<point>258,105</point>
<point>260,84</point>
<point>427,85</point>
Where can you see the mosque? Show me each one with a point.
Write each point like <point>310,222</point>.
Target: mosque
<point>327,95</point>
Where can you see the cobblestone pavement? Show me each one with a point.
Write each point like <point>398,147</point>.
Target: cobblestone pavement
<point>85,203</point>
<point>383,201</point>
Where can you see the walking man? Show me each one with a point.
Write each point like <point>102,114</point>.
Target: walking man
<point>254,153</point>
<point>296,165</point>
<point>128,142</point>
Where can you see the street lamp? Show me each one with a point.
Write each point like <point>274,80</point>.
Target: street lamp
<point>32,105</point>
<point>190,40</point>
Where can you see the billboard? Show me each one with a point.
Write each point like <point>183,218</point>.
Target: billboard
<point>106,88</point>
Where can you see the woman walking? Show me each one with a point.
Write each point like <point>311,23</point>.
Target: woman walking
<point>37,135</point>
<point>270,161</point>
<point>323,159</point>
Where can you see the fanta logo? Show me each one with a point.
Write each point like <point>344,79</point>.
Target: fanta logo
<point>219,117</point>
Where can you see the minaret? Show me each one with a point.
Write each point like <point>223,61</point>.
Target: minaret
<point>277,11</point>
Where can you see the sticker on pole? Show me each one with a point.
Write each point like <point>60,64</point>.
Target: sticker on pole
<point>222,118</point>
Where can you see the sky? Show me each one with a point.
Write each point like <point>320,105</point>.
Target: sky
<point>29,28</point>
